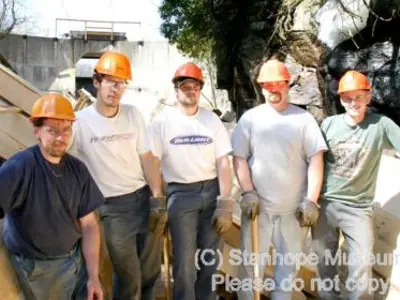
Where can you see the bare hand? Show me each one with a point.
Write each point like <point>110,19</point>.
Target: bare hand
<point>95,292</point>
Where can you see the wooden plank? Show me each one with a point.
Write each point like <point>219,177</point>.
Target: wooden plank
<point>10,109</point>
<point>17,90</point>
<point>9,287</point>
<point>19,128</point>
<point>9,146</point>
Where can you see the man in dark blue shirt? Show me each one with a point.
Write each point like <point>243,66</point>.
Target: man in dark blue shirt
<point>48,198</point>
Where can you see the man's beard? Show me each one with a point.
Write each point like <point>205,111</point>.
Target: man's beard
<point>59,152</point>
<point>188,102</point>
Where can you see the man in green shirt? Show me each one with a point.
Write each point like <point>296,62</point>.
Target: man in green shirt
<point>356,140</point>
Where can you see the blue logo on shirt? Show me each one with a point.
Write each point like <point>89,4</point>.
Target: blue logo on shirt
<point>191,140</point>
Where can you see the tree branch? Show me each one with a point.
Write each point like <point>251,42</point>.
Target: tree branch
<point>9,9</point>
<point>347,11</point>
<point>376,15</point>
<point>3,13</point>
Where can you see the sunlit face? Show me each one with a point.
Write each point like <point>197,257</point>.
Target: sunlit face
<point>355,102</point>
<point>275,92</point>
<point>188,93</point>
<point>110,90</point>
<point>54,136</point>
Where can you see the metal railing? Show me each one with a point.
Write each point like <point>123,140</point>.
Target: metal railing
<point>96,27</point>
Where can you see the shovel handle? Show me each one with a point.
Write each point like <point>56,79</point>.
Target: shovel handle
<point>254,240</point>
<point>166,265</point>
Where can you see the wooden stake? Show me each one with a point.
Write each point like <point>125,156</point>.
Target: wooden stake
<point>167,266</point>
<point>254,240</point>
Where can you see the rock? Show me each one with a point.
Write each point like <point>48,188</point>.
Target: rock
<point>304,89</point>
<point>375,52</point>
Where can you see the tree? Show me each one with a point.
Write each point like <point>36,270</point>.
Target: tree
<point>188,24</point>
<point>9,17</point>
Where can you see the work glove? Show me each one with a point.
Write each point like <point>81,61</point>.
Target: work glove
<point>158,213</point>
<point>222,218</point>
<point>250,204</point>
<point>307,213</point>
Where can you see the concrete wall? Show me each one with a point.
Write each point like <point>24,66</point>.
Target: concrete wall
<point>49,63</point>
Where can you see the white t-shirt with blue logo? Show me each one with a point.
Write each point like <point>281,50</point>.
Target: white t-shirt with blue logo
<point>188,146</point>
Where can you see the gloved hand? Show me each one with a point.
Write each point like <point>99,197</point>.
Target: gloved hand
<point>158,213</point>
<point>250,204</point>
<point>307,213</point>
<point>222,218</point>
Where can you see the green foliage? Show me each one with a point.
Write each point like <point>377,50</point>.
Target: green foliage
<point>188,24</point>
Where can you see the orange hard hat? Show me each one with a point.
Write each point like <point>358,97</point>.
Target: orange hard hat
<point>273,70</point>
<point>188,70</point>
<point>54,106</point>
<point>352,81</point>
<point>114,64</point>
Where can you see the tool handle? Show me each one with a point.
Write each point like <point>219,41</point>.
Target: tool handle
<point>167,265</point>
<point>254,240</point>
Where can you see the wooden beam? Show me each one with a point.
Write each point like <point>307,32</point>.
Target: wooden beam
<point>10,109</point>
<point>16,90</point>
<point>18,128</point>
<point>8,145</point>
<point>10,288</point>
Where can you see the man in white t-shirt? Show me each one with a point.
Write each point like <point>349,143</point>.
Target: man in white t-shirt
<point>193,146</point>
<point>278,159</point>
<point>112,139</point>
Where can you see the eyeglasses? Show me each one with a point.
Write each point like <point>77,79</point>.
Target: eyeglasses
<point>57,132</point>
<point>187,88</point>
<point>114,83</point>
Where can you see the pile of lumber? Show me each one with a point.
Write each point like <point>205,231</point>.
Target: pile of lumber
<point>16,99</point>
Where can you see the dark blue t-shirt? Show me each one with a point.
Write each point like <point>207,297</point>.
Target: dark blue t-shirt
<point>43,202</point>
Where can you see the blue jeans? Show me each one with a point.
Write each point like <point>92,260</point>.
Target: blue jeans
<point>59,278</point>
<point>287,236</point>
<point>134,252</point>
<point>356,225</point>
<point>190,209</point>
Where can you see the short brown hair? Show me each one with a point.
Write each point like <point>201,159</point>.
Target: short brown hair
<point>38,122</point>
<point>97,76</point>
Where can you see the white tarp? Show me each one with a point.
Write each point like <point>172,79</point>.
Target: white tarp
<point>339,20</point>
